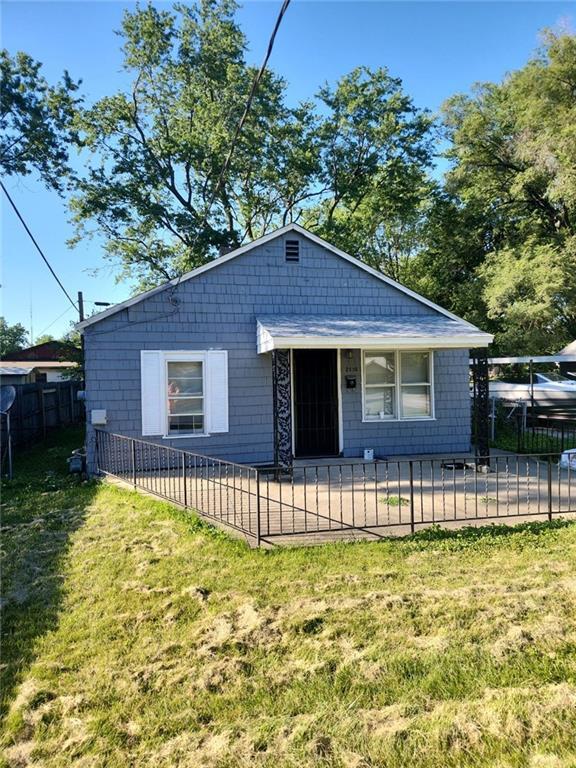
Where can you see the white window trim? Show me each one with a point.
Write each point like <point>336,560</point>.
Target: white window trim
<point>397,384</point>
<point>184,357</point>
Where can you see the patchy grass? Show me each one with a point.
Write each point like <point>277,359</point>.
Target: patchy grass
<point>395,501</point>
<point>135,635</point>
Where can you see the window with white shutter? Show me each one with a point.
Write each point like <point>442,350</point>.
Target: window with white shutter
<point>184,394</point>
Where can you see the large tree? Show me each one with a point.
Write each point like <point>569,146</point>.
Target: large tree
<point>375,150</point>
<point>13,338</point>
<point>513,147</point>
<point>159,149</point>
<point>44,338</point>
<point>450,249</point>
<point>36,121</point>
<point>531,290</point>
<point>354,169</point>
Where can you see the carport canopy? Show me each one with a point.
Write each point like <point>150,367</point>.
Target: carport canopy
<point>383,332</point>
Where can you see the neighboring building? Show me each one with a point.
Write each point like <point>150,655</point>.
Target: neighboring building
<point>285,345</point>
<point>47,362</point>
<point>26,372</point>
<point>12,373</point>
<point>48,351</point>
<point>569,368</point>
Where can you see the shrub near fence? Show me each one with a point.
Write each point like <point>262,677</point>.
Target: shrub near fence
<point>42,407</point>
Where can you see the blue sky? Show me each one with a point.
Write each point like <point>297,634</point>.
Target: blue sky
<point>436,48</point>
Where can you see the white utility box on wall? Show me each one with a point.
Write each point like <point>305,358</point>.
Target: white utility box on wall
<point>98,417</point>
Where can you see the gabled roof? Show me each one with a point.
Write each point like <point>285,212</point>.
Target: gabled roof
<point>255,244</point>
<point>48,350</point>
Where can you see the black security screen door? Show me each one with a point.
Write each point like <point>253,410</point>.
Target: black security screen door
<point>316,402</point>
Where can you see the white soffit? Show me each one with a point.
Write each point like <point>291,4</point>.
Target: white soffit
<point>388,332</point>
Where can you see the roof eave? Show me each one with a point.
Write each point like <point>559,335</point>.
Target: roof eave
<point>268,342</point>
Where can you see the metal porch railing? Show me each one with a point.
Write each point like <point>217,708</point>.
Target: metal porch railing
<point>352,498</point>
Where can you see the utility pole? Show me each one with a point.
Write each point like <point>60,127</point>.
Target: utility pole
<point>81,305</point>
<point>81,315</point>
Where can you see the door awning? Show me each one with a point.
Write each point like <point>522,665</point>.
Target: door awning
<point>384,332</point>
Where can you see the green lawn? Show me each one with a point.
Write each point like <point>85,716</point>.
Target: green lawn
<point>137,636</point>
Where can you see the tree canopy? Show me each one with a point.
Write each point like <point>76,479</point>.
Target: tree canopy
<point>494,240</point>
<point>12,337</point>
<point>513,148</point>
<point>36,121</point>
<point>158,150</point>
<point>44,338</point>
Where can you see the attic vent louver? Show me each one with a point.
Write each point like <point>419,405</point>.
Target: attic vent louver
<point>292,251</point>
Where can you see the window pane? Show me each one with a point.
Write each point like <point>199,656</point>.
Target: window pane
<point>185,405</point>
<point>379,402</point>
<point>186,424</point>
<point>184,369</point>
<point>416,401</point>
<point>185,397</point>
<point>185,386</point>
<point>185,378</point>
<point>414,367</point>
<point>379,368</point>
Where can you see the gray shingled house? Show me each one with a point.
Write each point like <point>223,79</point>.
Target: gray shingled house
<point>284,347</point>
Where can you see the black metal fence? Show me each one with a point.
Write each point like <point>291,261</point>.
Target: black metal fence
<point>541,432</point>
<point>42,407</point>
<point>221,490</point>
<point>350,499</point>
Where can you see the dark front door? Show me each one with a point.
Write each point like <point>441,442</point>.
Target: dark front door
<point>315,402</point>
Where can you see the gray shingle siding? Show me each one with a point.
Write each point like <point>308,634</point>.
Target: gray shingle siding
<point>218,309</point>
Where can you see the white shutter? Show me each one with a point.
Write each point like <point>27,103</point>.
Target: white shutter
<point>152,394</point>
<point>217,390</point>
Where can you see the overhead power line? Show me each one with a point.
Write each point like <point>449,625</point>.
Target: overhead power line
<point>223,171</point>
<point>31,236</point>
<point>237,132</point>
<point>253,89</point>
<point>53,322</point>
